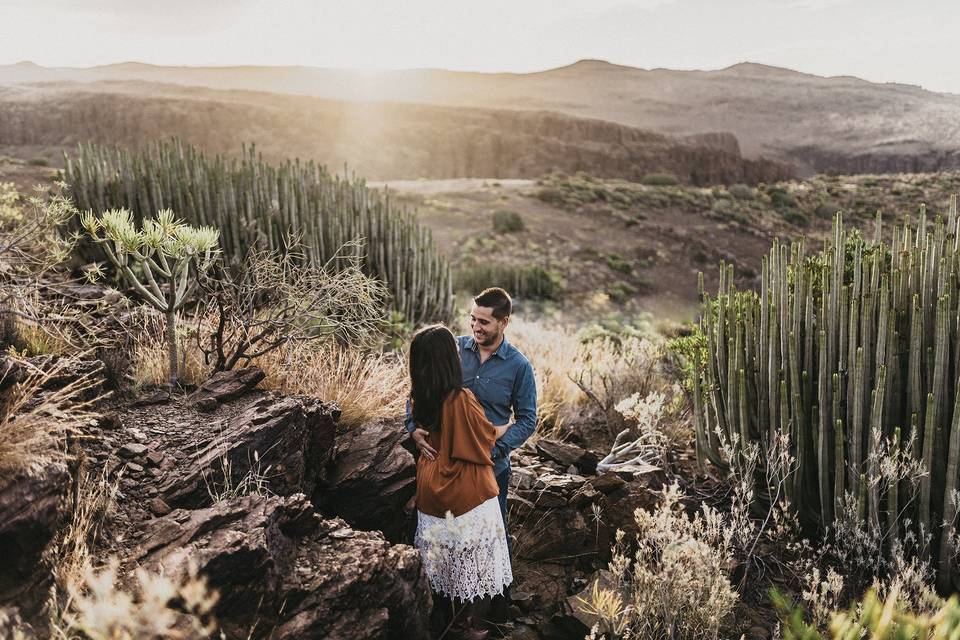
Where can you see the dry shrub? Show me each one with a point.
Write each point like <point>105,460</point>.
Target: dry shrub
<point>553,352</point>
<point>582,376</point>
<point>672,583</point>
<point>97,608</point>
<point>367,386</point>
<point>35,423</point>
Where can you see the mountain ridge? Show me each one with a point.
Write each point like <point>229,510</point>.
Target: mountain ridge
<point>835,124</point>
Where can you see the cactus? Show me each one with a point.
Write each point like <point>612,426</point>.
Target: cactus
<point>161,260</point>
<point>854,352</point>
<point>251,202</point>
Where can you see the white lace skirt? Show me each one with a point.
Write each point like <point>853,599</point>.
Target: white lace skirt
<point>465,557</point>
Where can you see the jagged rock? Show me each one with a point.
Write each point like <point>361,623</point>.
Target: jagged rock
<point>285,441</point>
<point>567,455</point>
<point>226,385</point>
<point>568,535</point>
<point>32,506</point>
<point>371,479</point>
<point>276,564</point>
<point>62,371</point>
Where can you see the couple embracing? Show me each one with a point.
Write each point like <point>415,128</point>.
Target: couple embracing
<point>463,391</point>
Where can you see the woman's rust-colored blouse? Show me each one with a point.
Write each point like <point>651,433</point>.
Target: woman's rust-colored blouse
<point>461,476</point>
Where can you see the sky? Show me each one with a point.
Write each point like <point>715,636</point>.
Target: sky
<point>878,40</point>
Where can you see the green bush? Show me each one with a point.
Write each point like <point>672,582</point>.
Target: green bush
<point>507,221</point>
<point>616,262</point>
<point>39,162</point>
<point>781,199</point>
<point>619,291</point>
<point>742,192</point>
<point>796,217</point>
<point>659,180</point>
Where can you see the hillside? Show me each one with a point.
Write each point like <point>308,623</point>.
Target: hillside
<point>837,124</point>
<point>379,140</point>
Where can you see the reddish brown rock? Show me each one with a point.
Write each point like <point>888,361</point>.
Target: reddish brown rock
<point>277,565</point>
<point>371,479</point>
<point>33,505</point>
<point>285,441</point>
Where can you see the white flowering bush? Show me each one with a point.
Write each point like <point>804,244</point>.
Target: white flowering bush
<point>672,582</point>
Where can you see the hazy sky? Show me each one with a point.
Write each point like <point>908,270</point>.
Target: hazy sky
<point>879,40</point>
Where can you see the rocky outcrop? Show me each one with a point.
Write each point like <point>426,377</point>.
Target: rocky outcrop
<point>283,443</point>
<point>283,572</point>
<point>33,505</point>
<point>371,479</point>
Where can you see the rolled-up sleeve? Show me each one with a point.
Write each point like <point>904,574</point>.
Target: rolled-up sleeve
<point>524,412</point>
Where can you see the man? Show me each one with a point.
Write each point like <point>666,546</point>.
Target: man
<point>502,380</point>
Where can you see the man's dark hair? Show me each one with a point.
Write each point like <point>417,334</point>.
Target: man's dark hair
<point>496,299</point>
<point>434,373</point>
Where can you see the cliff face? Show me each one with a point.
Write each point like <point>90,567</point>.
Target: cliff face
<point>381,141</point>
<point>817,160</point>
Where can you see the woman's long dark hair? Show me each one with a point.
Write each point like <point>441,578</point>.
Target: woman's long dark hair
<point>434,372</point>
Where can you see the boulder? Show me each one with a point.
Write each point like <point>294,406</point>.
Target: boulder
<point>33,505</point>
<point>566,454</point>
<point>226,385</point>
<point>283,442</point>
<point>284,572</point>
<point>371,479</point>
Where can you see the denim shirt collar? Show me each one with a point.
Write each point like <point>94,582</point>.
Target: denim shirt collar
<point>502,351</point>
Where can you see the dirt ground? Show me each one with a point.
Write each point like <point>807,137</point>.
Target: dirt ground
<point>656,256</point>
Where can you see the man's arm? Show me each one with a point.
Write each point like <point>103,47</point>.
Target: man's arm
<point>419,435</point>
<point>524,413</point>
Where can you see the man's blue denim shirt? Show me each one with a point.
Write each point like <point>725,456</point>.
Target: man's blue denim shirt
<point>504,384</point>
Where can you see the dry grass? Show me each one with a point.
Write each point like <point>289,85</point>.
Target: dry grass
<point>94,500</point>
<point>554,352</point>
<point>366,386</point>
<point>583,378</point>
<point>35,424</point>
<point>161,607</point>
<point>149,363</point>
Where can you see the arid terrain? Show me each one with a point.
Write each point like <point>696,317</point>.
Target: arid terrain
<point>838,124</point>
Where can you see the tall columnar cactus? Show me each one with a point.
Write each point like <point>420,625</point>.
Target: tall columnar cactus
<point>161,260</point>
<point>250,202</point>
<point>854,352</point>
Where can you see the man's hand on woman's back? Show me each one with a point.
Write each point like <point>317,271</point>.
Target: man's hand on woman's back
<point>420,438</point>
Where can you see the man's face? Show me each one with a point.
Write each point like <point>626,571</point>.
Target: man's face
<point>486,329</point>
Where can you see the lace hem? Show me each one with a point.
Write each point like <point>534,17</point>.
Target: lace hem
<point>465,557</point>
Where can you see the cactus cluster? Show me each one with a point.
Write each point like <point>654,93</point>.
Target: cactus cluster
<point>854,352</point>
<point>252,202</point>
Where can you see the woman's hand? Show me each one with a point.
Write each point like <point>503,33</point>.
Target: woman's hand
<point>500,430</point>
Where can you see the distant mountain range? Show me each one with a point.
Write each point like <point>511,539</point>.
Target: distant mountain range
<point>816,124</point>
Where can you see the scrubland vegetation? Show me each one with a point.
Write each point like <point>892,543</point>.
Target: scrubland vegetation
<point>806,433</point>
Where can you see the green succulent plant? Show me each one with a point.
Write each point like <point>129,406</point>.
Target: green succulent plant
<point>161,260</point>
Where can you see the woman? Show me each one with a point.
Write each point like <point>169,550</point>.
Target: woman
<point>459,527</point>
